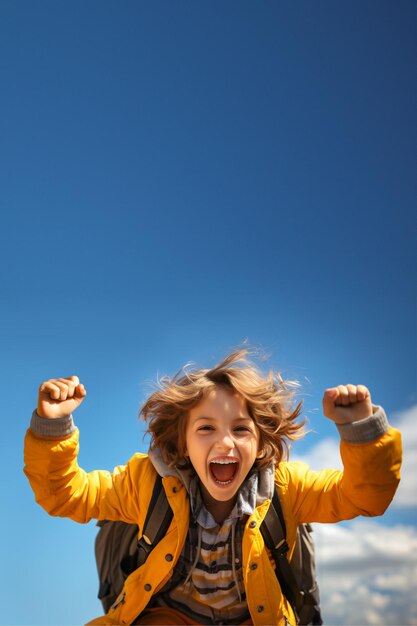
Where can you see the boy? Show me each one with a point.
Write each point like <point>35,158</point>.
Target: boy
<point>219,439</point>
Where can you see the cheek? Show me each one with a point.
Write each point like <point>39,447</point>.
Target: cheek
<point>198,449</point>
<point>197,459</point>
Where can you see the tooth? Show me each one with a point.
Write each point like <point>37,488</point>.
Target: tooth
<point>224,462</point>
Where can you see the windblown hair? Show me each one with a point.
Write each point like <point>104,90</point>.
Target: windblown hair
<point>269,401</point>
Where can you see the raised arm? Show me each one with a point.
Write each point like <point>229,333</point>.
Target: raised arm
<point>371,454</point>
<point>60,486</point>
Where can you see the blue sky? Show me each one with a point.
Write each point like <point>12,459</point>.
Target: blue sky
<point>178,177</point>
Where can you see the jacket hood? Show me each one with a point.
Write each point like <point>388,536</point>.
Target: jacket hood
<point>163,469</point>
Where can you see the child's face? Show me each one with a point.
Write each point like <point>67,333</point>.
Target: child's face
<point>222,443</point>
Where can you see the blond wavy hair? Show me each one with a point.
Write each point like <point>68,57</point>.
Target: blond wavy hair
<point>270,403</point>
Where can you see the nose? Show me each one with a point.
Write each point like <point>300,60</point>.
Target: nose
<point>225,442</point>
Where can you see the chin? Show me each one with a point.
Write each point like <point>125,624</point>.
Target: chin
<point>223,494</point>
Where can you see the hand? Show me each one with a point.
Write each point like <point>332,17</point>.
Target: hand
<point>347,403</point>
<point>60,396</point>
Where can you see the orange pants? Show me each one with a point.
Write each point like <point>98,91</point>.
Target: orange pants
<point>166,617</point>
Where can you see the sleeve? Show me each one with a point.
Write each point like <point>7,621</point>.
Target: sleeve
<point>371,453</point>
<point>64,489</point>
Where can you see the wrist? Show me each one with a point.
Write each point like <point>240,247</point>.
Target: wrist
<point>366,429</point>
<point>47,428</point>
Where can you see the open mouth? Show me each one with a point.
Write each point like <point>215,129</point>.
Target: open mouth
<point>223,470</point>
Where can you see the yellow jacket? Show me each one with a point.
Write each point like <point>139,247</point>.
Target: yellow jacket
<point>365,487</point>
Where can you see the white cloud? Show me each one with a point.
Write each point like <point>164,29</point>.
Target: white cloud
<point>326,454</point>
<point>367,573</point>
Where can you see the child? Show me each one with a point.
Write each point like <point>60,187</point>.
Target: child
<point>220,438</point>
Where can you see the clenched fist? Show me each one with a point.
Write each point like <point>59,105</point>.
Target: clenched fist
<point>347,403</point>
<point>60,396</point>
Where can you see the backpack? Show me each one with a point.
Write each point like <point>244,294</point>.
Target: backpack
<point>119,552</point>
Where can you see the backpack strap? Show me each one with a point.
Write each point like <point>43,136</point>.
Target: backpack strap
<point>157,521</point>
<point>274,533</point>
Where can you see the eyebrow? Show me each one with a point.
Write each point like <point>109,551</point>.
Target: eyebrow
<point>214,419</point>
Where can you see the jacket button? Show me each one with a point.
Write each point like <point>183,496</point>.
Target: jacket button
<point>260,608</point>
<point>168,557</point>
<point>252,525</point>
<point>253,566</point>
<point>147,587</point>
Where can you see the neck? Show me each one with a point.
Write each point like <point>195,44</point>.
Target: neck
<point>219,509</point>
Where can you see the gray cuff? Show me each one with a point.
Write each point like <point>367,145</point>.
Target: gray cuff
<point>48,428</point>
<point>365,430</point>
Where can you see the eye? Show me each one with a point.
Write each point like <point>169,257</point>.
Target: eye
<point>245,429</point>
<point>205,428</point>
